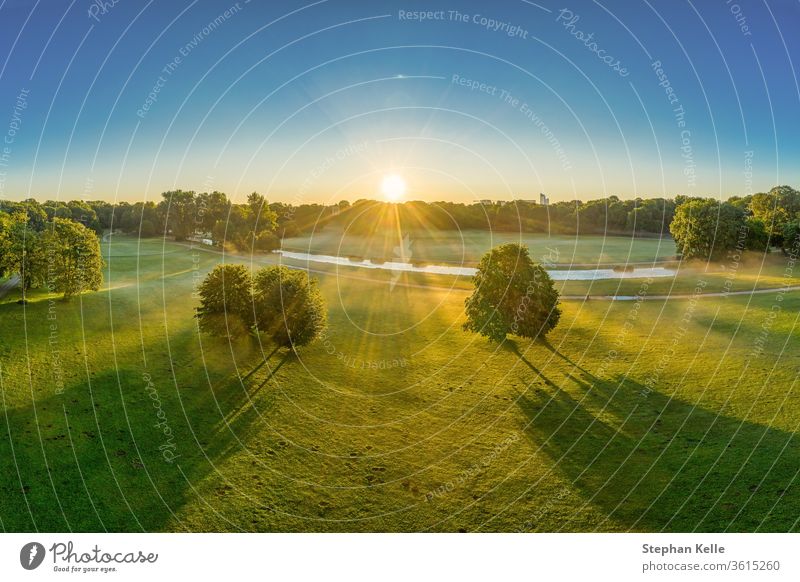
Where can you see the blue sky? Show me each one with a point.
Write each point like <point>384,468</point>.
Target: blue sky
<point>317,101</point>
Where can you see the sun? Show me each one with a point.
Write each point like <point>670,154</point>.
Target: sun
<point>393,187</point>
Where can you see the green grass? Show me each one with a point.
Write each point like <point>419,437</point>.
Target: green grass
<point>467,247</point>
<point>398,421</point>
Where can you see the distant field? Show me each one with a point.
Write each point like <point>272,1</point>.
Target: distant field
<point>467,247</point>
<point>657,416</point>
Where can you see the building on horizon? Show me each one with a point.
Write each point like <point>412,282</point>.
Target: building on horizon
<point>543,200</point>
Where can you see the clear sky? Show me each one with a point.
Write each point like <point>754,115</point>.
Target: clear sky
<point>319,101</point>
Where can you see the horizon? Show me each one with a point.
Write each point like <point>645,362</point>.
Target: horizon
<point>333,202</point>
<point>121,103</point>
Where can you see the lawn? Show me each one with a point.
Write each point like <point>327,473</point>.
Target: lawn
<point>467,247</point>
<point>661,415</point>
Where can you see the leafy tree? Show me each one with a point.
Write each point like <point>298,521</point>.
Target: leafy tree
<point>234,229</point>
<point>706,229</point>
<point>791,238</point>
<point>776,208</point>
<point>226,307</point>
<point>134,218</point>
<point>22,254</point>
<point>757,238</point>
<point>211,207</point>
<point>262,219</point>
<point>5,241</point>
<point>288,229</point>
<point>650,216</point>
<point>289,306</point>
<point>147,229</point>
<point>71,253</point>
<point>267,241</point>
<point>513,295</point>
<point>103,210</point>
<point>82,212</point>
<point>178,207</point>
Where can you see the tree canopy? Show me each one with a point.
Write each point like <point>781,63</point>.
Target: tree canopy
<point>707,229</point>
<point>513,295</point>
<point>72,257</point>
<point>289,307</point>
<point>226,305</point>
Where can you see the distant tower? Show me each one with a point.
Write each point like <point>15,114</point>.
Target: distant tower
<point>543,200</point>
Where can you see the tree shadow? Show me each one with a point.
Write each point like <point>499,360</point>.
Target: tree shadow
<point>260,364</point>
<point>654,463</point>
<point>511,346</point>
<point>117,455</point>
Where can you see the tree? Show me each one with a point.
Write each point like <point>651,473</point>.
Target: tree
<point>289,306</point>
<point>262,219</point>
<point>147,229</point>
<point>82,212</point>
<point>211,207</point>
<point>226,307</point>
<point>758,238</point>
<point>791,238</point>
<point>5,242</point>
<point>22,251</point>
<point>178,207</point>
<point>234,229</point>
<point>776,208</point>
<point>267,241</point>
<point>71,253</point>
<point>513,295</point>
<point>706,229</point>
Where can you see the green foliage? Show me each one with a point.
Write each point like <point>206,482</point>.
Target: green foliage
<point>651,216</point>
<point>5,242</point>
<point>513,295</point>
<point>226,307</point>
<point>790,243</point>
<point>289,306</point>
<point>267,241</point>
<point>758,238</point>
<point>141,218</point>
<point>210,208</point>
<point>71,257</point>
<point>147,229</point>
<point>178,208</point>
<point>706,229</point>
<point>22,252</point>
<point>776,208</point>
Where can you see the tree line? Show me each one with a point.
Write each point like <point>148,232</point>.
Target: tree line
<point>257,224</point>
<point>54,243</point>
<point>709,229</point>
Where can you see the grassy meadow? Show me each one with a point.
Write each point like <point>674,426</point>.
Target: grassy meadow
<point>466,247</point>
<point>674,415</point>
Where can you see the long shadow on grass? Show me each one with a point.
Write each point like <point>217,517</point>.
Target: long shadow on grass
<point>95,460</point>
<point>653,463</point>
